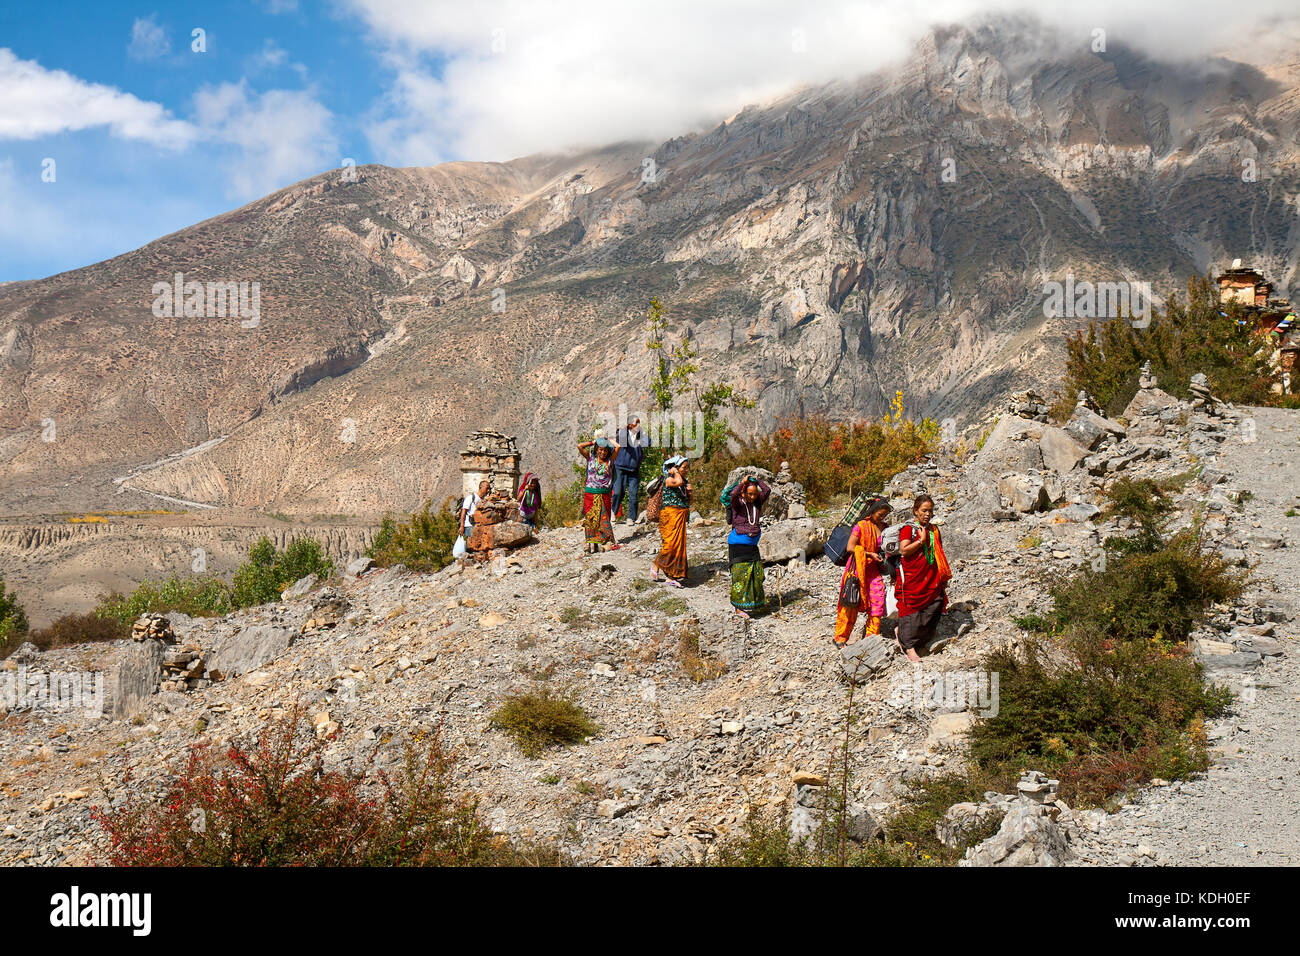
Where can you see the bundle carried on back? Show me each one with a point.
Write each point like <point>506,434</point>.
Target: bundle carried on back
<point>837,547</point>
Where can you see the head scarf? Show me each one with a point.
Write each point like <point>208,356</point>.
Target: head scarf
<point>673,462</point>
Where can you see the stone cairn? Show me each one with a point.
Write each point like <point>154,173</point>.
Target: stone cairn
<point>182,664</point>
<point>153,627</point>
<point>1201,397</point>
<point>1146,380</point>
<point>1028,404</point>
<point>1086,401</point>
<point>791,491</point>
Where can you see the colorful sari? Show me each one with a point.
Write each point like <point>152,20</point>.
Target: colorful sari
<point>596,499</point>
<point>746,577</point>
<point>922,589</point>
<point>871,582</point>
<point>671,559</point>
<point>596,517</point>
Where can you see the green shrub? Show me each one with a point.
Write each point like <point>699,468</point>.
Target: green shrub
<point>205,596</point>
<point>542,719</point>
<point>268,571</point>
<point>1179,343</point>
<point>1094,701</point>
<point>423,542</point>
<point>1152,586</point>
<point>562,507</point>
<point>13,621</point>
<point>79,629</point>
<point>765,841</point>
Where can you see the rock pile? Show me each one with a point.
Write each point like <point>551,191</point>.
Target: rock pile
<point>497,525</point>
<point>153,627</point>
<point>1028,404</point>
<point>1035,830</point>
<point>182,665</point>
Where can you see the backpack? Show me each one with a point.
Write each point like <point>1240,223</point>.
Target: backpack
<point>890,547</point>
<point>725,497</point>
<point>837,545</point>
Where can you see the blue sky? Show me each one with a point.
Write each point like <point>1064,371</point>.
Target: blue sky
<point>144,136</point>
<point>309,79</point>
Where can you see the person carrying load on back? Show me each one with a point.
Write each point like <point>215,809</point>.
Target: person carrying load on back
<point>862,587</point>
<point>530,500</point>
<point>922,586</point>
<point>745,500</point>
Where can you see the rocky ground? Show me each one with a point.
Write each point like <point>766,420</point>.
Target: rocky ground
<point>678,764</point>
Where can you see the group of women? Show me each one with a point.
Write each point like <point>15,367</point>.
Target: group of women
<point>919,569</point>
<point>921,574</point>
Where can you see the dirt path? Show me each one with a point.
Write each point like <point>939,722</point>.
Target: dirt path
<point>1246,809</point>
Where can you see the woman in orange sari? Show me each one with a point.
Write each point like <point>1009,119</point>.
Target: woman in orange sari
<point>923,579</point>
<point>670,564</point>
<point>864,545</point>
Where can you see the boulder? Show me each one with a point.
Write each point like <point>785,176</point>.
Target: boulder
<point>248,649</point>
<point>790,539</point>
<point>1090,429</point>
<point>1080,511</point>
<point>1026,493</point>
<point>1027,837</point>
<point>503,534</point>
<point>948,731</point>
<point>299,588</point>
<point>1060,451</point>
<point>1148,401</point>
<point>132,673</point>
<point>1011,446</point>
<point>866,658</point>
<point>360,566</point>
<point>963,819</point>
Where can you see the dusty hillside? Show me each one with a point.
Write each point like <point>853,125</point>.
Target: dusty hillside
<point>677,765</point>
<point>822,251</point>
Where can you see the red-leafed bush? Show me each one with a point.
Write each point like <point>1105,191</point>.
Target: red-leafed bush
<point>271,802</point>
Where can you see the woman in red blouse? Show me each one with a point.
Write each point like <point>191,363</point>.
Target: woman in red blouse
<point>922,590</point>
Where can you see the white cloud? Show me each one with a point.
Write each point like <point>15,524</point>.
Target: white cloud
<point>270,56</point>
<point>40,102</point>
<point>571,72</point>
<point>274,138</point>
<point>148,41</point>
<point>281,135</point>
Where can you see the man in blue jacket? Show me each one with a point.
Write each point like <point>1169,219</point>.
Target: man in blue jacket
<point>627,468</point>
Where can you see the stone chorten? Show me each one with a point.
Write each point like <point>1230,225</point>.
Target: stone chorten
<point>493,456</point>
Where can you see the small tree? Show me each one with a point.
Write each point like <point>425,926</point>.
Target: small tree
<point>675,374</point>
<point>267,572</point>
<point>13,621</point>
<point>1224,342</point>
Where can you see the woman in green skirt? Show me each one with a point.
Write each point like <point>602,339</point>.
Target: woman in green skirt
<point>747,499</point>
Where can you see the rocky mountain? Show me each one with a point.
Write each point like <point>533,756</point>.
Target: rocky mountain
<point>889,233</point>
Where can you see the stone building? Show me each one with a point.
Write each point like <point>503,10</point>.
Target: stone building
<point>1273,317</point>
<point>493,456</point>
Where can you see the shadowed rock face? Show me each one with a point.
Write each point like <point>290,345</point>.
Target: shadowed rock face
<point>823,251</point>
